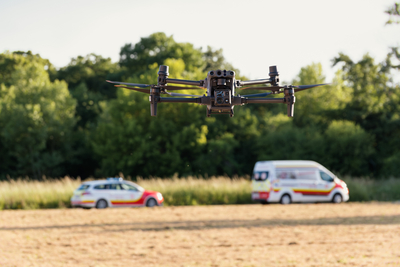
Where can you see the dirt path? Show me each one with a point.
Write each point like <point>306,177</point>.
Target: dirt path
<point>246,235</point>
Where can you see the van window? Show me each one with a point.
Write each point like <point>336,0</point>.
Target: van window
<point>307,175</point>
<point>326,177</point>
<point>286,174</point>
<point>260,176</point>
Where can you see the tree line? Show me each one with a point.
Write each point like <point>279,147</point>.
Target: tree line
<point>69,121</point>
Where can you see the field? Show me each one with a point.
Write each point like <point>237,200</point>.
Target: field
<point>351,234</point>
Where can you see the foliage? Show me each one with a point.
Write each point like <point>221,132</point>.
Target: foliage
<point>156,49</point>
<point>36,118</point>
<point>374,106</point>
<point>394,13</point>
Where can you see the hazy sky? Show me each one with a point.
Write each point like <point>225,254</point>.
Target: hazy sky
<point>252,34</point>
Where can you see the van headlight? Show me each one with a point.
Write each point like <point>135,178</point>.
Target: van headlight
<point>159,196</point>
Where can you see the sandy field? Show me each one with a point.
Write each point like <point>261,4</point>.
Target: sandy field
<point>243,235</point>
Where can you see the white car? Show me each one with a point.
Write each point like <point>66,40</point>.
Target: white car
<point>114,192</point>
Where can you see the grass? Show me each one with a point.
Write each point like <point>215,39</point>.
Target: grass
<point>29,194</point>
<point>197,191</point>
<point>56,193</point>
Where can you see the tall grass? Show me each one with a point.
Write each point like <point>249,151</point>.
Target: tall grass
<point>30,194</point>
<point>56,193</point>
<point>367,189</point>
<point>195,191</point>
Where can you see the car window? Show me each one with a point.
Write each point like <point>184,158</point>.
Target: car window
<point>83,187</point>
<point>101,186</point>
<point>325,177</point>
<point>115,186</point>
<point>128,187</point>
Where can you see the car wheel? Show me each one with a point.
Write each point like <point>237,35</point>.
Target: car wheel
<point>151,203</point>
<point>101,204</point>
<point>286,199</point>
<point>337,198</point>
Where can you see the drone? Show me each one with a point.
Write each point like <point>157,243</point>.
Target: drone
<point>221,86</point>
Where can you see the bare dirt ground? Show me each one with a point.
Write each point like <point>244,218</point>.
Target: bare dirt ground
<point>245,235</point>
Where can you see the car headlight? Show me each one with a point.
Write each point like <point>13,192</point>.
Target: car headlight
<point>159,196</point>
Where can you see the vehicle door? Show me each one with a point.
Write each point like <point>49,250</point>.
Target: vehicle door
<point>287,182</point>
<point>117,196</point>
<point>101,191</point>
<point>325,184</point>
<point>132,194</point>
<point>307,184</point>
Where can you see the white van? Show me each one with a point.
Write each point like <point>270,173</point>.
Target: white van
<point>288,181</point>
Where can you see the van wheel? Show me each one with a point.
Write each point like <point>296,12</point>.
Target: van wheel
<point>337,198</point>
<point>286,199</point>
<point>151,203</point>
<point>101,204</point>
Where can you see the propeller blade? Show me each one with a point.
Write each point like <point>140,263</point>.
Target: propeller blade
<point>131,84</point>
<point>270,88</point>
<point>181,88</point>
<point>304,87</point>
<point>147,91</point>
<point>177,94</point>
<point>259,95</point>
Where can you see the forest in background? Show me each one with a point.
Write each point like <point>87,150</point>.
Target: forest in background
<point>69,121</point>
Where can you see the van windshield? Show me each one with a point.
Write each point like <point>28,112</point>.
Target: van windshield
<point>260,176</point>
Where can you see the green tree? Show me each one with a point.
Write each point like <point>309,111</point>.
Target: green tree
<point>86,78</point>
<point>394,14</point>
<point>36,118</point>
<point>374,105</point>
<point>317,106</point>
<point>156,49</point>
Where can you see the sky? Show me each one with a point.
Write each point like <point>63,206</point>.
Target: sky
<point>253,34</point>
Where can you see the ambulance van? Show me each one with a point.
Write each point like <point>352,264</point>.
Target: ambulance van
<point>288,181</point>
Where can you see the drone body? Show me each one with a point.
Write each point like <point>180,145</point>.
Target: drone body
<point>221,86</point>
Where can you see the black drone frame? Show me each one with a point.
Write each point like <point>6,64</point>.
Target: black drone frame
<point>220,86</point>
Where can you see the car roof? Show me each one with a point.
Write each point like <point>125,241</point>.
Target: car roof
<point>106,181</point>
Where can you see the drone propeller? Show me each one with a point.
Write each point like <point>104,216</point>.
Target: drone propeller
<point>304,87</point>
<point>131,84</point>
<point>146,91</point>
<point>257,95</point>
<point>277,88</point>
<point>181,88</point>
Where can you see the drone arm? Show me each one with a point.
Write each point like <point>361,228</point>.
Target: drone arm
<point>188,82</point>
<point>262,100</point>
<point>253,82</point>
<point>289,100</point>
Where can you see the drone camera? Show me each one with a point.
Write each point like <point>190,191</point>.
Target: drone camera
<point>222,97</point>
<point>221,86</point>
